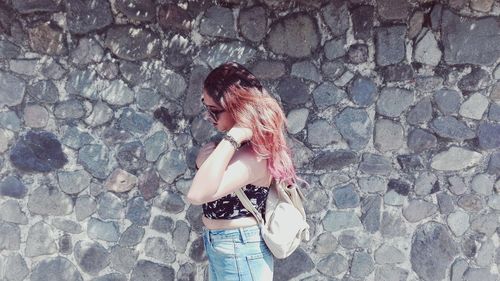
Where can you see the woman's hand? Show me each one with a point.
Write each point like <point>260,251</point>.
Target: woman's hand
<point>240,134</point>
<point>204,152</point>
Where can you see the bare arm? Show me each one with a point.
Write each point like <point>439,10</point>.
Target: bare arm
<point>223,172</point>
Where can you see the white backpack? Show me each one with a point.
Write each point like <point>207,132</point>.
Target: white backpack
<point>285,223</point>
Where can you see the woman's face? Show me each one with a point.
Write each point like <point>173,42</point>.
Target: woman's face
<point>220,118</point>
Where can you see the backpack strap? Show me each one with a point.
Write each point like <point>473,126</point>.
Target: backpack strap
<point>249,206</point>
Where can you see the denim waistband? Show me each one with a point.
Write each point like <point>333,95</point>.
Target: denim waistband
<point>243,234</point>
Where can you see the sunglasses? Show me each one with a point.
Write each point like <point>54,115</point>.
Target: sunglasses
<point>214,114</point>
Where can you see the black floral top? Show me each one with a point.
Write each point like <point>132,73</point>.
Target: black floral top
<point>230,207</point>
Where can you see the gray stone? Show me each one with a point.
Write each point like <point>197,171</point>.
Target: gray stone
<point>457,185</point>
<point>180,236</point>
<point>358,53</point>
<point>148,184</point>
<point>335,160</point>
<point>372,184</point>
<point>84,17</point>
<point>94,158</point>
<point>68,226</point>
<point>297,263</point>
<point>155,145</point>
<point>223,52</point>
<point>394,101</point>
<point>494,112</point>
<point>55,269</point>
<point>91,257</point>
<point>268,69</point>
<point>6,139</point>
<point>134,122</point>
<point>147,270</point>
<point>392,226</point>
<point>432,251</point>
<point>10,121</point>
<point>219,22</point>
<point>363,91</point>
<point>474,107</point>
<point>327,94</point>
<point>10,236</point>
<point>415,24</point>
<point>40,240</point>
<point>335,48</point>
<point>295,35</point>
<point>162,224</point>
<point>374,164</point>
<point>118,93</point>
<point>425,183</point>
<point>427,50</point>
<point>361,264</point>
<point>486,254</point>
<point>319,201</point>
<point>12,89</point>
<point>173,17</point>
<point>393,9</point>
<point>306,70</point>
<point>44,91</point>
<point>9,50</point>
<point>52,70</point>
<point>333,264</point>
<point>346,197</point>
<point>35,116</point>
<point>494,163</point>
<point>10,211</point>
<point>69,109</point>
<point>421,113</point>
<point>158,248</point>
<point>132,236</point>
<point>197,251</point>
<point>141,10</point>
<point>455,158</point>
<point>389,45</point>
<point>252,23</point>
<point>85,206</point>
<point>483,184</point>
<point>47,39</point>
<point>467,40</point>
<point>293,91</point>
<point>131,156</point>
<point>344,79</point>
<point>447,101</point>
<point>355,126</point>
<point>15,268</point>
<point>110,206</point>
<point>171,165</point>
<point>65,244</point>
<point>458,269</point>
<point>418,210</point>
<point>326,243</point>
<point>484,274</point>
<point>470,202</point>
<point>370,213</point>
<point>420,140</point>
<point>411,163</point>
<point>322,133</point>
<point>296,120</point>
<point>111,277</point>
<point>48,200</point>
<point>147,98</point>
<point>123,259</point>
<point>84,83</point>
<point>131,43</point>
<point>397,73</point>
<point>24,66</point>
<point>494,201</point>
<point>101,114</point>
<point>391,273</point>
<point>489,135</point>
<point>87,51</point>
<point>336,17</point>
<point>485,224</point>
<point>452,128</point>
<point>458,222</point>
<point>428,83</point>
<point>11,186</point>
<point>392,198</point>
<point>387,254</point>
<point>73,182</point>
<point>107,231</point>
<point>388,135</point>
<point>362,22</point>
<point>75,138</point>
<point>138,211</point>
<point>339,220</point>
<point>332,70</point>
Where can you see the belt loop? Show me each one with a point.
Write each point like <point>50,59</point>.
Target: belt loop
<point>243,235</point>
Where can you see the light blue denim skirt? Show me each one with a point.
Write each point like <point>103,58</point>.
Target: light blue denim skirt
<point>238,254</point>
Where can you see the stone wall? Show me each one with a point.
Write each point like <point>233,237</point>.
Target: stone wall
<point>394,120</point>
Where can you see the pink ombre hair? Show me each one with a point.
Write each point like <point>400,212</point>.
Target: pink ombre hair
<point>239,92</point>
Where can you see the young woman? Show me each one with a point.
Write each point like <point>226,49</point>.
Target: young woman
<point>252,152</point>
